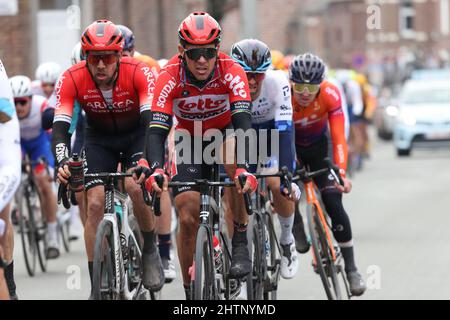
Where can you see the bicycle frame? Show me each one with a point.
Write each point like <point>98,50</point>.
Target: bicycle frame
<point>311,199</point>
<point>110,215</point>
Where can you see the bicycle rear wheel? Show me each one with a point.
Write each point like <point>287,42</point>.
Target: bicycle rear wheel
<point>41,233</point>
<point>27,234</point>
<point>204,284</point>
<point>104,284</point>
<point>322,252</point>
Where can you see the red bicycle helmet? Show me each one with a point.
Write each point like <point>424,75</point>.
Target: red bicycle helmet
<point>102,35</point>
<point>199,28</point>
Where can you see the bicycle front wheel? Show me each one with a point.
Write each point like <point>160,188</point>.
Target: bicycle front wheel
<point>204,284</point>
<point>256,279</point>
<point>27,234</point>
<point>324,263</point>
<point>104,284</point>
<point>273,259</point>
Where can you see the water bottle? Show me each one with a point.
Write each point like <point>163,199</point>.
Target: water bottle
<point>217,255</point>
<point>76,173</point>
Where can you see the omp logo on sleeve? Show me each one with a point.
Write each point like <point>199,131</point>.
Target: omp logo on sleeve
<point>236,84</point>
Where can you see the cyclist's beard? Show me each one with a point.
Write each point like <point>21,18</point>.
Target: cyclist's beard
<point>107,82</point>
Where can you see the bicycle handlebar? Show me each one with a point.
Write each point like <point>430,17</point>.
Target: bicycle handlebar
<point>303,175</point>
<point>196,183</point>
<point>63,190</point>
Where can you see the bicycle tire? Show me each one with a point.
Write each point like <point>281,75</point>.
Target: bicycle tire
<point>322,254</point>
<point>256,279</point>
<point>41,237</point>
<point>134,269</point>
<point>204,283</point>
<point>64,234</point>
<point>104,267</point>
<point>27,235</point>
<point>273,270</point>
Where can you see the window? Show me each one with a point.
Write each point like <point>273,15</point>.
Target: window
<point>407,15</point>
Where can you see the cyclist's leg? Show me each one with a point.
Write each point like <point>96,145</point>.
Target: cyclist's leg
<point>41,149</point>
<point>164,223</point>
<point>4,293</point>
<point>341,226</point>
<point>285,210</point>
<point>240,260</point>
<point>10,175</point>
<point>187,202</point>
<point>98,158</point>
<point>7,248</point>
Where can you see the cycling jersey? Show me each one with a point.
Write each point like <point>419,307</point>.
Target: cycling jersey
<point>120,111</point>
<point>34,139</point>
<point>36,88</point>
<point>149,61</point>
<point>225,94</point>
<point>344,104</point>
<point>10,163</point>
<point>311,122</point>
<point>127,101</point>
<point>31,125</point>
<point>273,110</point>
<point>216,103</point>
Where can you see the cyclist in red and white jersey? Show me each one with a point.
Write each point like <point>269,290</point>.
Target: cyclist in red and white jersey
<point>116,94</point>
<point>202,86</point>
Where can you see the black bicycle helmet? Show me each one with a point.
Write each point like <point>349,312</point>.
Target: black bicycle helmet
<point>307,68</point>
<point>253,55</point>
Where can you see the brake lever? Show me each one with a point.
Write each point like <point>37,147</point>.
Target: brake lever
<point>62,196</point>
<point>156,201</point>
<point>248,204</point>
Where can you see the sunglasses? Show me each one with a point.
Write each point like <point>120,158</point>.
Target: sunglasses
<point>48,85</point>
<point>106,58</point>
<point>196,53</point>
<point>305,87</point>
<point>20,102</point>
<point>258,76</point>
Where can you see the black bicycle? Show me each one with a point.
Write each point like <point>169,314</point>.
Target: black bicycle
<point>31,222</point>
<point>262,283</point>
<point>210,279</point>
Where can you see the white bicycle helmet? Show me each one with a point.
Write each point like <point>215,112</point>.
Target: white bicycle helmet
<point>77,54</point>
<point>48,72</point>
<point>21,86</point>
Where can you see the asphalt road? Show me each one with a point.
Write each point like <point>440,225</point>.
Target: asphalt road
<point>400,218</point>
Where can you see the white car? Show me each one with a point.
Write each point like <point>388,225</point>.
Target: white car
<point>423,115</point>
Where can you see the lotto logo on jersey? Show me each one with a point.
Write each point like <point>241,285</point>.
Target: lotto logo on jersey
<point>236,84</point>
<point>201,104</point>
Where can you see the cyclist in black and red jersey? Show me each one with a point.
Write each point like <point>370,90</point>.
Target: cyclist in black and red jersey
<point>203,86</point>
<point>116,93</point>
